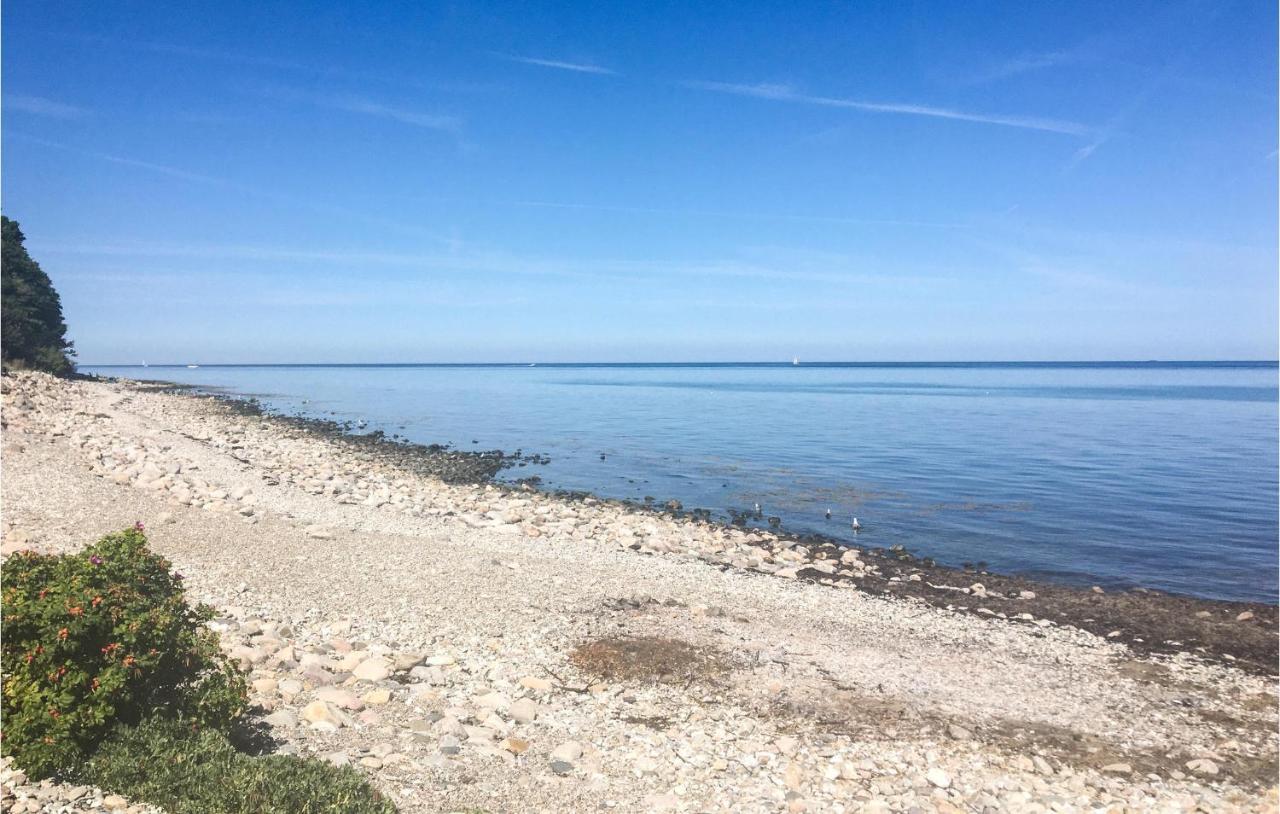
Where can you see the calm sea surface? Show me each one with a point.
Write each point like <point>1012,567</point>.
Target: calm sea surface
<point>1162,475</point>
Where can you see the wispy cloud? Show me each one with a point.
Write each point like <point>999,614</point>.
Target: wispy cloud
<point>41,106</point>
<point>351,103</point>
<point>580,67</point>
<point>356,104</point>
<point>1009,67</point>
<point>1030,62</point>
<point>1082,155</point>
<point>162,169</point>
<point>781,267</point>
<point>785,93</point>
<point>275,63</point>
<point>207,53</point>
<point>711,213</point>
<point>1117,122</point>
<point>244,189</point>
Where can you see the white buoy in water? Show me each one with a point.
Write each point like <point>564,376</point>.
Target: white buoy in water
<point>856,525</point>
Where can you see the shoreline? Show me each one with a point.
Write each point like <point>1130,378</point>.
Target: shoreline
<point>489,647</point>
<point>1148,620</point>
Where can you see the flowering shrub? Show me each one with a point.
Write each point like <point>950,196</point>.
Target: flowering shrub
<point>101,637</point>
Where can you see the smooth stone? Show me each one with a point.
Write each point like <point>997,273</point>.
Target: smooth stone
<point>321,716</point>
<point>374,669</point>
<point>535,684</point>
<point>340,697</point>
<point>376,697</point>
<point>793,776</point>
<point>523,711</point>
<point>568,751</point>
<point>265,685</point>
<point>1203,766</point>
<point>493,700</point>
<point>515,746</point>
<point>561,766</point>
<point>938,777</point>
<point>407,661</point>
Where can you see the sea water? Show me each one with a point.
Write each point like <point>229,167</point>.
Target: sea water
<point>1148,474</point>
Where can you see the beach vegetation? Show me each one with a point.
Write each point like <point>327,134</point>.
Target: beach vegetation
<point>186,770</point>
<point>111,677</point>
<point>101,637</point>
<point>33,334</point>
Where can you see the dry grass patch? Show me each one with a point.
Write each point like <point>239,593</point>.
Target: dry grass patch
<point>649,658</point>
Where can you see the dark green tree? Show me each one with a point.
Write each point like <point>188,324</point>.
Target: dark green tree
<point>32,331</point>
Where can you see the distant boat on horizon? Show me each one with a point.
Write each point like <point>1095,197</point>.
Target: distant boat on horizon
<point>795,360</point>
<point>144,362</point>
<point>193,366</point>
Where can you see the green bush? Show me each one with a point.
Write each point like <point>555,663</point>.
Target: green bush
<point>103,637</point>
<point>168,764</point>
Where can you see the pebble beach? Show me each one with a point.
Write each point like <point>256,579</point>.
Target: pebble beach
<point>471,646</point>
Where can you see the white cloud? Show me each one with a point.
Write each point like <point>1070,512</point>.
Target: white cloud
<point>785,93</point>
<point>351,103</point>
<point>40,106</point>
<point>579,67</point>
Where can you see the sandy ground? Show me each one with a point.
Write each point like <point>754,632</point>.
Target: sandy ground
<point>537,660</point>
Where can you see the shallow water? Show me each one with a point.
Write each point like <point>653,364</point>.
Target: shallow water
<point>1162,475</point>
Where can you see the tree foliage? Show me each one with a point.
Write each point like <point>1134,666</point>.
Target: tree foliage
<point>31,323</point>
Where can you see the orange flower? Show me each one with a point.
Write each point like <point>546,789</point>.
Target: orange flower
<point>97,600</point>
<point>62,634</point>
<point>129,661</point>
<point>76,611</point>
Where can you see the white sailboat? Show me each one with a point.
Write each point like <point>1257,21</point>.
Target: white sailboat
<point>795,360</point>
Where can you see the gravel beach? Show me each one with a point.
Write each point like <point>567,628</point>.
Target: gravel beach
<point>475,647</point>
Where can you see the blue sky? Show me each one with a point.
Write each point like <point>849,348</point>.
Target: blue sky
<point>240,182</point>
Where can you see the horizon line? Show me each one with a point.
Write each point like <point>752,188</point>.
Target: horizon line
<point>782,363</point>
